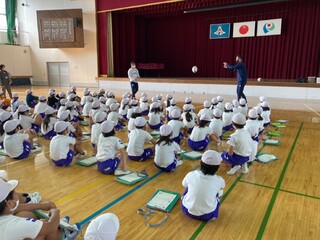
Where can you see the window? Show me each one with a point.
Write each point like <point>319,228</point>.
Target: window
<point>3,19</point>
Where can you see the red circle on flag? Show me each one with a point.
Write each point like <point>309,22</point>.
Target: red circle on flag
<point>244,29</point>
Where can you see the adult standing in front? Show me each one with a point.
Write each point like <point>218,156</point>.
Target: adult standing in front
<point>134,76</point>
<point>6,81</point>
<point>240,67</point>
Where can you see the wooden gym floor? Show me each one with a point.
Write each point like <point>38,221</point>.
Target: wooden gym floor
<point>279,200</point>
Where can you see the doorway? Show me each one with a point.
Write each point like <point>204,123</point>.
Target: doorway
<point>58,74</point>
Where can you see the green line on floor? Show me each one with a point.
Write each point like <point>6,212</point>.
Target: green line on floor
<point>256,184</point>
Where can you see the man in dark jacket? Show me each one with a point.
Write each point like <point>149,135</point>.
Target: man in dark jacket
<point>5,80</point>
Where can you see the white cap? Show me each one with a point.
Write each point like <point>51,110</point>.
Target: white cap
<point>239,118</point>
<point>175,113</point>
<point>86,91</point>
<point>28,91</point>
<point>4,174</point>
<point>186,107</point>
<point>252,113</point>
<point>154,105</point>
<point>60,126</point>
<point>140,122</point>
<point>125,101</point>
<point>217,113</point>
<point>64,115</point>
<point>144,99</point>
<point>71,95</point>
<point>5,116</point>
<point>259,109</point>
<point>110,94</point>
<point>62,94</point>
<point>94,94</point>
<point>6,188</point>
<point>63,101</point>
<point>100,117</point>
<point>211,157</point>
<point>251,130</point>
<point>169,96</point>
<point>101,90</point>
<point>23,108</point>
<point>264,104</point>
<point>235,103</point>
<point>89,99</point>
<point>69,104</point>
<point>50,110</point>
<point>205,117</point>
<point>15,95</point>
<point>96,104</point>
<point>102,99</point>
<point>262,98</point>
<point>51,92</point>
<point>154,99</point>
<point>214,100</point>
<point>220,98</point>
<point>11,125</point>
<point>143,94</point>
<point>173,101</point>
<point>114,106</point>
<point>107,126</point>
<point>206,104</point>
<point>137,110</point>
<point>242,101</point>
<point>165,130</point>
<point>187,100</point>
<point>228,106</point>
<point>159,96</point>
<point>73,88</point>
<point>104,227</point>
<point>133,102</point>
<point>126,95</point>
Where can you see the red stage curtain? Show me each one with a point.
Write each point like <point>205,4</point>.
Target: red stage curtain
<point>182,40</point>
<point>102,43</point>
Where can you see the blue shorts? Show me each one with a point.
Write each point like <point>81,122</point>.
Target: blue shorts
<point>65,162</point>
<point>261,131</point>
<point>190,130</point>
<point>199,145</point>
<point>155,127</point>
<point>148,152</point>
<point>168,118</point>
<point>234,159</point>
<point>49,135</point>
<point>178,138</point>
<point>266,124</point>
<point>118,126</point>
<point>26,151</point>
<point>31,104</point>
<point>75,119</point>
<point>256,138</point>
<point>169,168</point>
<point>125,117</point>
<point>42,115</point>
<point>228,127</point>
<point>93,145</point>
<point>204,217</point>
<point>146,112</point>
<point>35,127</point>
<point>108,166</point>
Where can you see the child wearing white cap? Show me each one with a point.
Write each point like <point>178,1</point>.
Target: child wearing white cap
<point>31,100</point>
<point>103,105</point>
<point>104,227</point>
<point>132,104</point>
<point>144,106</point>
<point>188,102</point>
<point>18,143</point>
<point>94,96</point>
<point>137,139</point>
<point>173,106</point>
<point>48,123</point>
<point>266,112</point>
<point>253,123</point>
<point>94,110</point>
<point>155,116</point>
<point>202,134</point>
<point>201,199</point>
<point>236,106</point>
<point>101,93</point>
<point>220,104</point>
<point>227,117</point>
<point>243,107</point>
<point>260,119</point>
<point>62,107</point>
<point>216,123</point>
<point>254,143</point>
<point>87,106</point>
<point>178,127</point>
<point>137,112</point>
<point>41,106</point>
<point>63,147</point>
<point>53,101</point>
<point>4,117</point>
<point>86,95</point>
<point>28,122</point>
<point>214,103</point>
<point>110,99</point>
<point>166,150</point>
<point>14,101</point>
<point>124,106</point>
<point>111,154</point>
<point>75,129</point>
<point>167,101</point>
<point>188,118</point>
<point>115,117</point>
<point>240,143</point>
<point>206,109</point>
<point>96,130</point>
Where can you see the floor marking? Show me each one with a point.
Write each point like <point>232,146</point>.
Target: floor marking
<point>256,184</point>
<point>312,110</point>
<point>277,189</point>
<point>300,194</point>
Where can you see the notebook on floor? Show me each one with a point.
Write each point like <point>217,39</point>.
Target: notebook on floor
<point>163,200</point>
<point>83,123</point>
<point>181,152</point>
<point>281,121</point>
<point>266,158</point>
<point>155,134</point>
<point>193,155</point>
<point>86,133</point>
<point>3,152</point>
<point>132,178</point>
<point>275,133</point>
<point>278,125</point>
<point>87,162</point>
<point>272,142</point>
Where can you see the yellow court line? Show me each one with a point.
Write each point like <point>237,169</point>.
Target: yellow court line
<point>312,110</point>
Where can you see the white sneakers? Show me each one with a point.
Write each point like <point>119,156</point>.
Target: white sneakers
<point>119,172</point>
<point>83,138</point>
<point>34,197</point>
<point>179,163</point>
<point>244,168</point>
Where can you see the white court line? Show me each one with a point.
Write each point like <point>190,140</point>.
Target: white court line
<point>312,110</point>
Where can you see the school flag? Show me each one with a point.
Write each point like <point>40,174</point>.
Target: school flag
<point>269,27</point>
<point>244,29</point>
<point>218,31</point>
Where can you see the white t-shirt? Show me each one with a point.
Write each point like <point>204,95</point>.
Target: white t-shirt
<point>170,109</point>
<point>108,147</point>
<point>87,108</point>
<point>114,117</point>
<point>40,107</point>
<point>266,116</point>
<point>241,141</point>
<point>220,105</point>
<point>207,111</point>
<point>95,132</point>
<point>254,152</point>
<point>199,134</point>
<point>190,106</point>
<point>165,154</point>
<point>176,127</point>
<point>110,101</point>
<point>137,138</point>
<point>216,125</point>
<point>133,74</point>
<point>192,122</point>
<point>129,113</point>
<point>61,109</point>
<point>123,111</point>
<point>244,110</point>
<point>131,125</point>
<point>261,126</point>
<point>52,121</point>
<point>18,228</point>
<point>254,124</point>
<point>236,110</point>
<point>13,144</point>
<point>84,100</point>
<point>155,118</point>
<point>202,190</point>
<point>26,121</point>
<point>71,127</point>
<point>144,106</point>
<point>227,118</point>
<point>59,146</point>
<point>15,115</point>
<point>14,105</point>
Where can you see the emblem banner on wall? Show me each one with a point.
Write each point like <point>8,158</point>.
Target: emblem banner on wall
<point>269,27</point>
<point>218,31</point>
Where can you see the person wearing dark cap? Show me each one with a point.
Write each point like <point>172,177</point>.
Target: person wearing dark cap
<point>5,80</point>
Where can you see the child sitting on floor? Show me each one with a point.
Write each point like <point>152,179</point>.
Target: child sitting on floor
<point>216,123</point>
<point>188,118</point>
<point>48,123</point>
<point>96,130</point>
<point>227,117</point>
<point>31,100</point>
<point>178,128</point>
<point>155,116</point>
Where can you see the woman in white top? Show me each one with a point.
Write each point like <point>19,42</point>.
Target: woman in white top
<point>28,122</point>
<point>155,116</point>
<point>111,156</point>
<point>166,151</point>
<point>202,134</point>
<point>178,127</point>
<point>227,117</point>
<point>188,118</point>
<point>201,199</point>
<point>216,123</point>
<point>48,123</point>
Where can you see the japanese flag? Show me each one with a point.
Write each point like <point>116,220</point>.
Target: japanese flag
<point>244,29</point>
